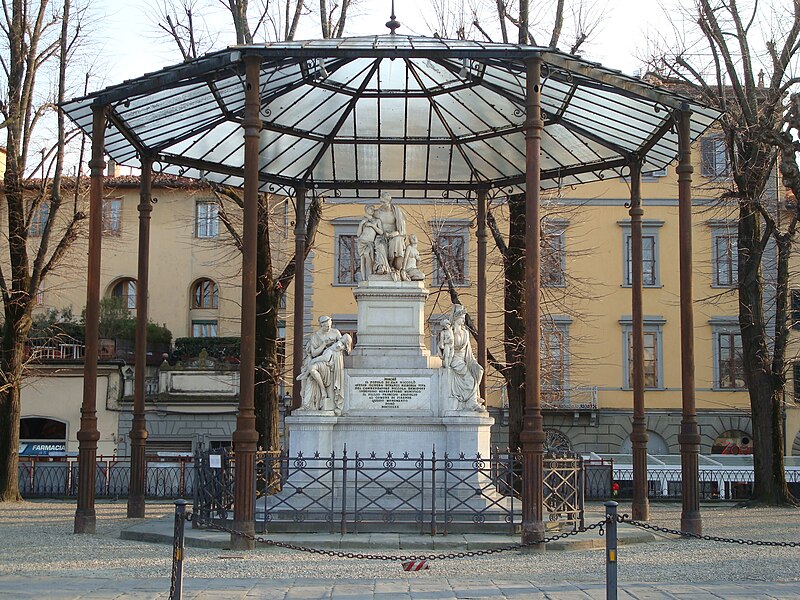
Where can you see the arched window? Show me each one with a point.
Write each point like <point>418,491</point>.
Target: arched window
<point>556,442</point>
<point>655,444</point>
<point>125,288</point>
<point>733,441</point>
<point>205,294</point>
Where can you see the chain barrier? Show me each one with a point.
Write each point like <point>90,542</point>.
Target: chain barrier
<point>392,557</point>
<point>711,538</point>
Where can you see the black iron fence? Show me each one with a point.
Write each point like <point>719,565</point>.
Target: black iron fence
<point>41,477</point>
<point>428,493</point>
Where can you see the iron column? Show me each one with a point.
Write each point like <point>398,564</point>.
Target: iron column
<point>482,325</point>
<point>245,437</point>
<point>689,437</point>
<point>138,433</point>
<point>640,507</point>
<point>88,434</point>
<point>532,436</point>
<point>299,291</point>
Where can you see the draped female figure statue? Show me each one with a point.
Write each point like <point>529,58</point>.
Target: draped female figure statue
<point>323,380</point>
<point>464,373</point>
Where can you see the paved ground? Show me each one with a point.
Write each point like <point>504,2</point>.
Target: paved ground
<point>41,558</point>
<point>420,586</point>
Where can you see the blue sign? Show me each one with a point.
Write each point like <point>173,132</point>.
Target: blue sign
<point>41,448</point>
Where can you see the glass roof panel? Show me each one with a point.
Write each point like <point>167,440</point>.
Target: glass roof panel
<point>393,118</point>
<point>223,143</point>
<point>419,114</point>
<point>367,161</point>
<point>392,76</point>
<point>392,158</point>
<point>343,159</point>
<point>366,117</point>
<point>446,113</point>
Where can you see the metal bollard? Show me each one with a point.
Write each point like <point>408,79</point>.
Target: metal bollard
<point>176,583</point>
<point>611,550</point>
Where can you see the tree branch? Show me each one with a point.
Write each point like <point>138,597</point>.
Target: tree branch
<point>314,218</point>
<point>496,234</point>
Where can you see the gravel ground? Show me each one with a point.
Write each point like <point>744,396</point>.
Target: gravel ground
<point>31,545</point>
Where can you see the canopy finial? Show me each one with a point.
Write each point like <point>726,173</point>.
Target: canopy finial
<point>392,23</point>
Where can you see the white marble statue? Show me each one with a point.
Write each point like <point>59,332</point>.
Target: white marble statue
<point>393,220</point>
<point>319,341</point>
<point>323,379</point>
<point>371,246</point>
<point>411,271</point>
<point>464,374</point>
<point>446,342</point>
<point>325,336</point>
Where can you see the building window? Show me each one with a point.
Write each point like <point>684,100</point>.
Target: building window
<point>795,309</point>
<point>796,378</point>
<point>452,248</point>
<point>125,288</point>
<point>653,353</point>
<point>205,294</point>
<point>206,328</point>
<point>650,359</point>
<point>554,362</point>
<point>452,243</point>
<point>713,155</point>
<point>112,216</point>
<point>40,293</point>
<point>724,254</point>
<point>650,265</point>
<point>554,260</point>
<point>207,222</point>
<point>348,263</point>
<point>39,219</point>
<point>648,260</point>
<point>727,349</point>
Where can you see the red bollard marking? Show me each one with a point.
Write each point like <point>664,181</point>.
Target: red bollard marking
<point>416,565</point>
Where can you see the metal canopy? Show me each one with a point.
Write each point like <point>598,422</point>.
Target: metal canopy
<point>390,112</point>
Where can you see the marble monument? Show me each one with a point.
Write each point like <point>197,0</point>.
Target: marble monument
<point>388,393</point>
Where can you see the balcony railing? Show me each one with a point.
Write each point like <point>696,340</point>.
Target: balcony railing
<point>57,352</point>
<point>574,398</point>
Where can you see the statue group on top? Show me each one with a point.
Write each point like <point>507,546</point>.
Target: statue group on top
<point>382,244</point>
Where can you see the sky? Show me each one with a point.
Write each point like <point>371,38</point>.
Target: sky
<point>132,49</point>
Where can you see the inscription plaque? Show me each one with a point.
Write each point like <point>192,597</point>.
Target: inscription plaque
<point>388,393</point>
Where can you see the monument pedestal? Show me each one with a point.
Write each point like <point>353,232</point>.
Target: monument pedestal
<point>390,432</point>
<point>396,402</point>
<point>396,395</point>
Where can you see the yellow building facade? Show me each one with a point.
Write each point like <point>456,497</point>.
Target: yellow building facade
<point>195,291</point>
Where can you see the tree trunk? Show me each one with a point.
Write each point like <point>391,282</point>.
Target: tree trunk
<point>267,374</point>
<point>13,349</point>
<point>765,397</point>
<point>514,325</point>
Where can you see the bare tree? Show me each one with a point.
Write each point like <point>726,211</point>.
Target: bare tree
<point>38,41</point>
<point>748,83</point>
<point>270,289</point>
<point>267,20</point>
<point>511,245</point>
